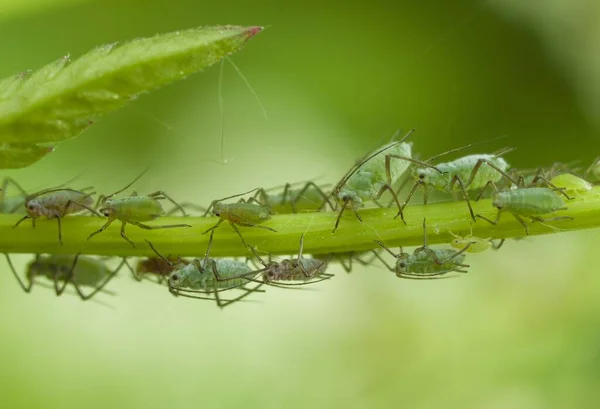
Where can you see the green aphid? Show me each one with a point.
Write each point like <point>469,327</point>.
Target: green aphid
<point>308,198</point>
<point>425,262</point>
<point>81,271</point>
<point>529,202</point>
<point>465,174</point>
<point>371,177</point>
<point>209,276</point>
<point>572,185</point>
<point>244,213</point>
<point>476,244</point>
<point>134,210</point>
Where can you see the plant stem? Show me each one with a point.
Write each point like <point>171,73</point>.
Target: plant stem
<point>351,235</point>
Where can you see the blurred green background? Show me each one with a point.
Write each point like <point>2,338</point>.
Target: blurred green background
<point>520,331</point>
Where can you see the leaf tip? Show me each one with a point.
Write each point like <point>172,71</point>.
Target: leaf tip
<point>252,31</point>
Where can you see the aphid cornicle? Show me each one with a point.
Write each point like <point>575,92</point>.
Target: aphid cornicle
<point>305,270</point>
<point>78,270</point>
<point>56,204</point>
<point>462,175</point>
<point>425,262</point>
<point>530,202</point>
<point>134,210</point>
<point>200,277</point>
<point>309,198</point>
<point>244,213</point>
<point>371,177</point>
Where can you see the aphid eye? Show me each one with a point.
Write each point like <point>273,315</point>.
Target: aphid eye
<point>421,176</point>
<point>106,213</point>
<point>31,207</point>
<point>403,264</point>
<point>217,214</point>
<point>174,277</point>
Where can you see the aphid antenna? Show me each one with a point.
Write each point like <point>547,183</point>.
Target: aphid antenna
<point>463,148</point>
<point>166,260</point>
<point>264,111</point>
<point>504,151</point>
<point>52,190</point>
<point>234,196</point>
<point>129,185</point>
<point>361,162</point>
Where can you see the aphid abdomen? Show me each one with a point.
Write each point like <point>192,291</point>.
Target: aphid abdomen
<point>534,201</point>
<point>228,268</point>
<point>423,263</point>
<point>249,213</point>
<point>136,208</point>
<point>54,204</point>
<point>463,167</point>
<point>571,183</point>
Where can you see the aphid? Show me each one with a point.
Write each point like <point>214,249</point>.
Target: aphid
<point>425,262</point>
<point>370,178</point>
<point>244,213</point>
<point>79,270</point>
<point>200,277</point>
<point>306,270</point>
<point>134,210</point>
<point>309,198</point>
<point>464,174</point>
<point>530,202</point>
<point>476,244</point>
<point>157,267</point>
<point>572,185</point>
<point>56,204</point>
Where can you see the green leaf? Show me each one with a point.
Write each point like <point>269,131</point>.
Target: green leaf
<point>62,99</point>
<point>16,155</point>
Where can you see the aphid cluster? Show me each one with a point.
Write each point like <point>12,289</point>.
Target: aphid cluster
<point>530,196</point>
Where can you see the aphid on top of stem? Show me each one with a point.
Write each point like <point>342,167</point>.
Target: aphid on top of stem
<point>572,185</point>
<point>308,198</point>
<point>367,180</point>
<point>200,277</point>
<point>243,213</point>
<point>81,271</point>
<point>425,262</point>
<point>305,270</point>
<point>462,175</point>
<point>134,210</point>
<point>56,204</point>
<point>476,244</point>
<point>530,202</point>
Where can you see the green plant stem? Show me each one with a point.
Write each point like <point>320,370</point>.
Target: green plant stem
<point>351,235</point>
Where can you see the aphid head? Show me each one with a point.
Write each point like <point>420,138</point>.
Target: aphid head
<point>401,266</point>
<point>107,211</point>
<point>349,198</point>
<point>176,279</point>
<point>422,174</point>
<point>217,209</point>
<point>33,208</point>
<point>456,243</point>
<point>497,201</point>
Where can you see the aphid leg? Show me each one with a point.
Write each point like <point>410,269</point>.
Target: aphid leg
<point>26,288</point>
<point>591,168</point>
<point>339,216</point>
<point>385,263</point>
<point>58,219</point>
<point>540,176</point>
<point>8,180</point>
<point>494,222</point>
<point>478,165</point>
<point>101,229</point>
<point>145,226</point>
<point>69,278</point>
<point>389,157</point>
<point>395,197</point>
<point>410,195</point>
<point>214,227</point>
<point>551,219</point>
<point>522,223</point>
<point>386,248</point>
<point>255,225</point>
<point>224,303</point>
<point>456,180</point>
<point>157,253</point>
<point>485,187</point>
<point>299,260</point>
<point>104,283</point>
<point>73,202</point>
<point>239,234</point>
<point>497,246</point>
<point>160,193</point>
<point>317,189</point>
<point>23,219</point>
<point>134,274</point>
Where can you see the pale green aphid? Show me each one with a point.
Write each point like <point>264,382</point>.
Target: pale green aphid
<point>425,262</point>
<point>134,210</point>
<point>308,198</point>
<point>464,174</point>
<point>572,185</point>
<point>370,178</point>
<point>209,276</point>
<point>476,244</point>
<point>244,213</point>
<point>305,270</point>
<point>530,202</point>
<point>81,271</point>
